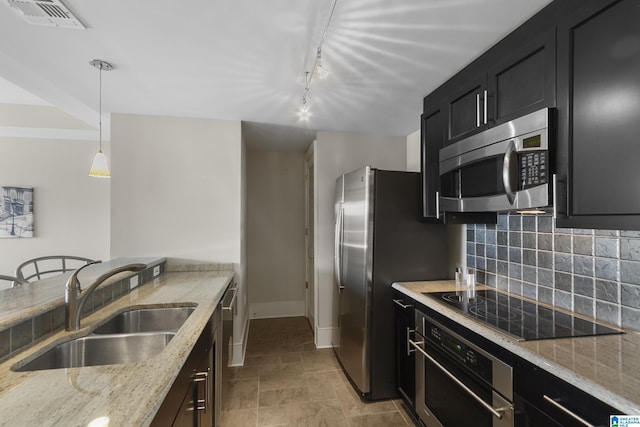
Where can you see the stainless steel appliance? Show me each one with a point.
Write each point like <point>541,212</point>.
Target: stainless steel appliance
<point>464,379</point>
<point>378,240</point>
<point>458,383</point>
<point>504,168</point>
<point>520,318</point>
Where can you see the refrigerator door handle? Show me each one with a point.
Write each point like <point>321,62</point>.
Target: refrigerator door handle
<point>338,249</point>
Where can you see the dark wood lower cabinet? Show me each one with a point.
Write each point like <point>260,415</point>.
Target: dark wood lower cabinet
<point>405,361</point>
<point>191,401</point>
<point>544,400</point>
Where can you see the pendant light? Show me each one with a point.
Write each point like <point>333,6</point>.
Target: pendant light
<point>99,167</point>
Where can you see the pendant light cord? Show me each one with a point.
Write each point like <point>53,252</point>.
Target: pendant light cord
<point>100,108</point>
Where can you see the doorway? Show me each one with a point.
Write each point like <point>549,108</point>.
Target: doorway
<point>310,214</point>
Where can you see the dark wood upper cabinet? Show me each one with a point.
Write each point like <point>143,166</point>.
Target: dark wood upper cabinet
<point>599,114</point>
<point>581,57</point>
<point>465,105</point>
<point>433,135</point>
<point>513,78</point>
<point>521,78</point>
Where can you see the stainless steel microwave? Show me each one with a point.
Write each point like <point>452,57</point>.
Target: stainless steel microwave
<point>504,168</point>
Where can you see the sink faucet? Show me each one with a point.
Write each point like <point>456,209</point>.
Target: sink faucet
<point>75,297</point>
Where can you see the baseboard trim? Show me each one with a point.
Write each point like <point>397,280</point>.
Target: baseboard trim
<point>325,336</point>
<point>269,310</point>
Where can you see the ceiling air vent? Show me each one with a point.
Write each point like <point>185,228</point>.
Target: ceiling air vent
<point>46,12</point>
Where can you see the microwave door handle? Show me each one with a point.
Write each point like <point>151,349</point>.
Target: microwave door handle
<point>506,172</point>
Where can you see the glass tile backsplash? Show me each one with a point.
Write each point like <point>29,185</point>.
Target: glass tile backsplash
<point>592,272</point>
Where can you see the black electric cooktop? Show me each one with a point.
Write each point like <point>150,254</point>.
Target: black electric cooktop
<point>523,319</point>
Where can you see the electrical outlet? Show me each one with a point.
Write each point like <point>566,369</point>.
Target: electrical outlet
<point>133,282</point>
<point>156,270</point>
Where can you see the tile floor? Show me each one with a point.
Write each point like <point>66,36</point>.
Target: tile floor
<point>285,381</point>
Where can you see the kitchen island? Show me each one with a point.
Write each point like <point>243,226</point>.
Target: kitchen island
<point>606,366</point>
<point>125,394</point>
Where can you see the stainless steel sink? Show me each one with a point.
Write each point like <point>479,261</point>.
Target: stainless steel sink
<point>146,320</point>
<point>100,350</point>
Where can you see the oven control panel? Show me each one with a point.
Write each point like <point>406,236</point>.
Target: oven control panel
<point>463,353</point>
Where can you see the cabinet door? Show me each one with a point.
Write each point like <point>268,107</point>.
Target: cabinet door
<point>187,416</point>
<point>432,134</point>
<point>532,384</point>
<point>193,388</point>
<point>522,78</point>
<point>599,107</point>
<point>465,105</point>
<point>405,363</point>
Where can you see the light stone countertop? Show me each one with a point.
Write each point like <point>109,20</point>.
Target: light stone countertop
<point>606,366</point>
<point>129,394</point>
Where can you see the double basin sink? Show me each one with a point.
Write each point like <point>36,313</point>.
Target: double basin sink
<point>127,337</point>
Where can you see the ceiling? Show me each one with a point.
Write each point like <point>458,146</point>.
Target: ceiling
<point>246,59</point>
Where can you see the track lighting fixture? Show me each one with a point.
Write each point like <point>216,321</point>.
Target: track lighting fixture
<point>318,68</point>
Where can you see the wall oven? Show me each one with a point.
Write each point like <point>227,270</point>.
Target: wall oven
<point>504,168</point>
<point>457,383</point>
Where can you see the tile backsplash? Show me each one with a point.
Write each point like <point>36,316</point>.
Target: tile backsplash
<point>592,272</point>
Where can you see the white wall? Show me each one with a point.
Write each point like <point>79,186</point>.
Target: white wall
<point>176,188</point>
<point>335,154</point>
<point>178,191</point>
<point>413,152</point>
<point>71,210</point>
<point>275,231</point>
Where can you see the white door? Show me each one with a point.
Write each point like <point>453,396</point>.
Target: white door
<point>310,210</point>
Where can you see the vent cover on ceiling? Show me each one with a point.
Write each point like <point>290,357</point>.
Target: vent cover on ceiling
<point>45,12</point>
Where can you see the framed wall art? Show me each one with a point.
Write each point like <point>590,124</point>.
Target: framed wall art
<point>16,212</point>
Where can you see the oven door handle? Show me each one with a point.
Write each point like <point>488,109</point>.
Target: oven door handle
<point>497,412</point>
<point>566,411</point>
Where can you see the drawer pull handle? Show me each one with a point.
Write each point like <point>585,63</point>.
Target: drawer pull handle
<point>201,404</point>
<point>402,304</point>
<point>566,411</point>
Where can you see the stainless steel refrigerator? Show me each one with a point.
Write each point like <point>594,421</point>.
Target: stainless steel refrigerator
<point>379,239</point>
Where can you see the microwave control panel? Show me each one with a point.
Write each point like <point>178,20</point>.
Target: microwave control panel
<point>533,169</point>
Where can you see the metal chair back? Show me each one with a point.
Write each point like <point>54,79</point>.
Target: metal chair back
<point>41,267</point>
